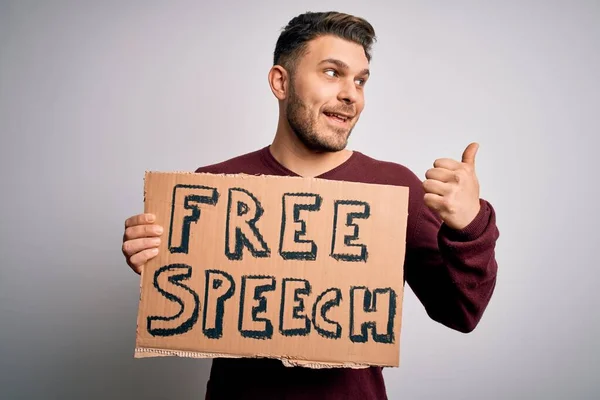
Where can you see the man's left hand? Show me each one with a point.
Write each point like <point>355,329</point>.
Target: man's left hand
<point>452,189</point>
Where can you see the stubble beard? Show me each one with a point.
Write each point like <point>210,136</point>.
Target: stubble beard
<point>304,127</point>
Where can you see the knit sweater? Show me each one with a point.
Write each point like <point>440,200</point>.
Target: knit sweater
<point>452,273</point>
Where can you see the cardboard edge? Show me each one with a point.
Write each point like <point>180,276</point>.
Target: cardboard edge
<point>321,365</point>
<point>244,175</point>
<point>147,352</point>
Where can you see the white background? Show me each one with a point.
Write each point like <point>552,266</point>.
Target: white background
<point>94,93</point>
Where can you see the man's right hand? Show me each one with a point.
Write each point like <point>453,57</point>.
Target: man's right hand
<point>141,240</point>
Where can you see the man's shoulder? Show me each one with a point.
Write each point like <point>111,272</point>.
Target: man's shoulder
<point>248,163</point>
<point>373,170</point>
<point>387,172</point>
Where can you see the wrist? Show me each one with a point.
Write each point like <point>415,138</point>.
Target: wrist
<point>472,228</point>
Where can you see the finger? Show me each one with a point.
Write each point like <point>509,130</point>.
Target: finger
<point>468,156</point>
<point>436,187</point>
<point>140,219</point>
<point>134,246</point>
<point>140,231</point>
<point>138,260</point>
<point>434,201</point>
<point>441,174</point>
<point>447,163</point>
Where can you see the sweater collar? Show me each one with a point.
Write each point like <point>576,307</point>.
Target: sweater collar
<point>279,169</point>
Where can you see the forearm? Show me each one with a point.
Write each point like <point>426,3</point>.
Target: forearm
<point>453,273</point>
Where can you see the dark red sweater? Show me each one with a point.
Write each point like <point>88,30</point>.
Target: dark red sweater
<point>453,274</point>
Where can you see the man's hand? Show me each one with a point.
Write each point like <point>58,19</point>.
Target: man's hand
<point>452,189</point>
<point>140,240</point>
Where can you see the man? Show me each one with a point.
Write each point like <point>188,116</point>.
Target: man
<point>321,66</point>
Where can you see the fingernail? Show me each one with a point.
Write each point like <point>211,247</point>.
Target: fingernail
<point>150,218</point>
<point>159,230</point>
<point>154,251</point>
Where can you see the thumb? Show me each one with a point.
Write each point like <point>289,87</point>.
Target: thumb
<point>468,156</point>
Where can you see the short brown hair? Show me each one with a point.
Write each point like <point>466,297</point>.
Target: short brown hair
<point>303,28</point>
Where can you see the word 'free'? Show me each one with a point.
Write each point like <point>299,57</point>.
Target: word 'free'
<point>244,210</point>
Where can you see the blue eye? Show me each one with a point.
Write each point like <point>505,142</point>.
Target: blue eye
<point>333,73</point>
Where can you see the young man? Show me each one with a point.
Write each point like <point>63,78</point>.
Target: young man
<point>321,65</point>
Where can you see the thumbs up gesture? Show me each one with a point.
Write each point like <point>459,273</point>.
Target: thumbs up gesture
<point>452,189</point>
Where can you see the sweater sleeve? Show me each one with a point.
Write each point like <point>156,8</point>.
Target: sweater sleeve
<point>453,272</point>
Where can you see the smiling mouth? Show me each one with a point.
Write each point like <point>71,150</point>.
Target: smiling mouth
<point>337,117</point>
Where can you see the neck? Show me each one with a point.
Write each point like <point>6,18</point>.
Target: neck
<point>290,152</point>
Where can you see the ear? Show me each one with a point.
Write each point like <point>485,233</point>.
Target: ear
<point>279,81</point>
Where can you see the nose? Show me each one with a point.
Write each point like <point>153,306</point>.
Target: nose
<point>348,93</point>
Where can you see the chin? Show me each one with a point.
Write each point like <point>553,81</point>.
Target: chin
<point>324,139</point>
<point>327,146</point>
<point>322,145</point>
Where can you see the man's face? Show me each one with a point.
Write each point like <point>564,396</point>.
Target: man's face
<point>326,93</point>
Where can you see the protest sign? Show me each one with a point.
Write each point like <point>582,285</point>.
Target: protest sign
<point>305,270</point>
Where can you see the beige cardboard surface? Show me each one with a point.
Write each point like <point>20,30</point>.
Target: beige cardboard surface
<point>305,270</point>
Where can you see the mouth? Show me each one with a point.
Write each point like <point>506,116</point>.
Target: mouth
<point>337,117</point>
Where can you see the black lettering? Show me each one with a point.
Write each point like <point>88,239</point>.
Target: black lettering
<point>301,249</point>
<point>219,287</point>
<point>348,251</point>
<point>295,304</point>
<point>186,318</point>
<point>369,305</point>
<point>322,304</point>
<point>247,328</point>
<point>200,195</point>
<point>243,211</point>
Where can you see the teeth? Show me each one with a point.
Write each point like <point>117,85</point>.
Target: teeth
<point>338,116</point>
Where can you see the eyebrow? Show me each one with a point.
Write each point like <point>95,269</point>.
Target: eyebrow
<point>342,65</point>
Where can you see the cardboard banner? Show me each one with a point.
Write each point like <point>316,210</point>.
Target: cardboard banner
<point>305,270</point>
